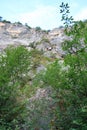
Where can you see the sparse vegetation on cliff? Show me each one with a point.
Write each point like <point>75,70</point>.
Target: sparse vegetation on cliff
<point>43,76</point>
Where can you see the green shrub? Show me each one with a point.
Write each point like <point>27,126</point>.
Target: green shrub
<point>27,26</point>
<point>14,63</point>
<point>70,78</point>
<point>45,40</point>
<point>38,29</point>
<point>5,21</point>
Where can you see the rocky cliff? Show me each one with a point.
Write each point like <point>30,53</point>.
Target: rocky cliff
<point>17,34</point>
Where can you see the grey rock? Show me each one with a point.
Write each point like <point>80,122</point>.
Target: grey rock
<point>14,33</point>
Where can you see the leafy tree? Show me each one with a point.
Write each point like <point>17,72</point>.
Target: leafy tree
<point>6,21</point>
<point>38,29</point>
<point>70,77</point>
<point>77,73</point>
<point>65,17</point>
<point>14,65</point>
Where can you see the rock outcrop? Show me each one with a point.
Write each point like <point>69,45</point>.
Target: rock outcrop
<point>17,34</point>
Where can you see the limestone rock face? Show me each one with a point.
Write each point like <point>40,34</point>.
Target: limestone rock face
<point>18,34</point>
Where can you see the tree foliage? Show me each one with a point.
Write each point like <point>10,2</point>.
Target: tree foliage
<point>14,65</point>
<point>70,78</point>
